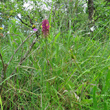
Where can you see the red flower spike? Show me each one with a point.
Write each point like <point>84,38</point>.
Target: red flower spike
<point>45,27</point>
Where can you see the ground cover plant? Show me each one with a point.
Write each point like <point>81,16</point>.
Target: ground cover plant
<point>66,67</point>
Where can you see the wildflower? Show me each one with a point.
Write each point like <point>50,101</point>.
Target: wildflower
<point>33,26</point>
<point>45,27</point>
<point>36,20</point>
<point>1,28</point>
<point>34,29</point>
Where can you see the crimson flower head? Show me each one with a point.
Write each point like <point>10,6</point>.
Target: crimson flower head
<point>45,27</point>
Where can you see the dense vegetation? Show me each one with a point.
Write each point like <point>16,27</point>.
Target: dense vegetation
<point>69,70</point>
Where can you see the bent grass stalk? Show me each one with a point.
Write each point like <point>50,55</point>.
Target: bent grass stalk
<point>1,102</point>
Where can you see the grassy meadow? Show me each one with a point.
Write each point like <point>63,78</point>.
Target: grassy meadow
<point>65,71</point>
<point>69,69</point>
